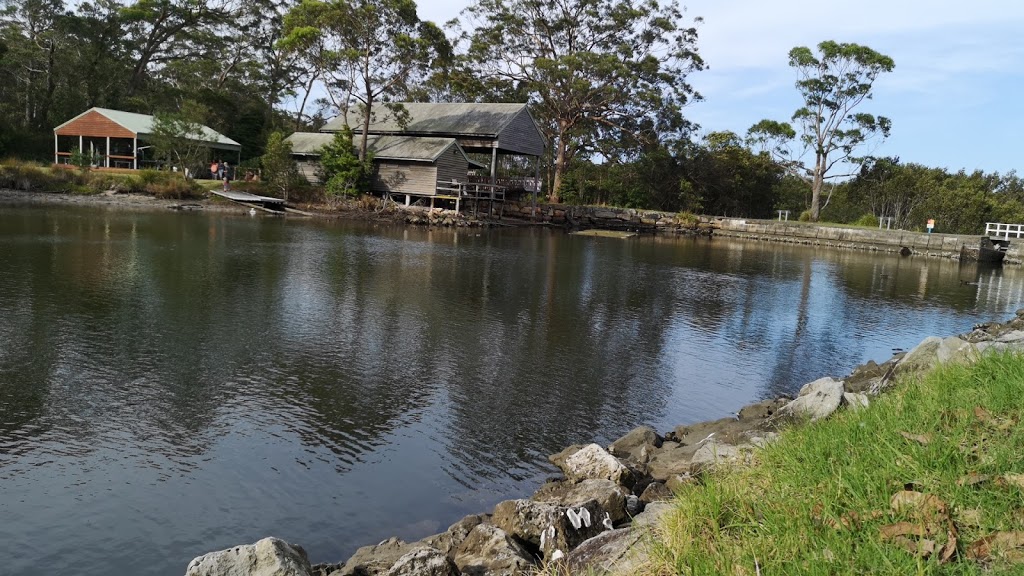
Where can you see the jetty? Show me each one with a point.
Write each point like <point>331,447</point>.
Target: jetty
<point>265,203</point>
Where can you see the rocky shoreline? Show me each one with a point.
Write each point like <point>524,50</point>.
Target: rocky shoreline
<point>595,518</point>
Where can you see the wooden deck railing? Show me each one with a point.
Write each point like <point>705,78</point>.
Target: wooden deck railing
<point>527,184</point>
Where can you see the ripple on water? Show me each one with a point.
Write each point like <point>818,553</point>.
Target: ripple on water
<point>171,385</point>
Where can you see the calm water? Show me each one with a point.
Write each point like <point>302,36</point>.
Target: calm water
<point>173,383</point>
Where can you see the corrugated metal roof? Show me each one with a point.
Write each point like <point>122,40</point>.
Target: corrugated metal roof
<point>309,143</point>
<point>456,118</point>
<point>142,124</point>
<point>415,148</point>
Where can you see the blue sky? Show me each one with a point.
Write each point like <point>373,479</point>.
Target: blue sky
<point>956,96</point>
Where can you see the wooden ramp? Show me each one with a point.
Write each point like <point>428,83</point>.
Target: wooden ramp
<point>265,203</point>
<point>247,198</point>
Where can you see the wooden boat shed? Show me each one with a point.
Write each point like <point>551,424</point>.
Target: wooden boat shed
<point>117,139</point>
<point>402,164</point>
<point>489,128</point>
<point>429,156</point>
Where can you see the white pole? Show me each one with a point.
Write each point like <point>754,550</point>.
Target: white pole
<point>494,162</point>
<point>135,152</point>
<point>56,157</point>
<point>107,162</point>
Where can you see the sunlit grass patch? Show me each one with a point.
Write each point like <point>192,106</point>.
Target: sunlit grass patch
<point>821,501</point>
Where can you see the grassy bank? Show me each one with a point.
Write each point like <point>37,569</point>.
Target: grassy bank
<point>32,177</point>
<point>927,480</point>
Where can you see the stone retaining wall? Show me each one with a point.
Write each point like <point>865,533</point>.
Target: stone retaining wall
<point>894,241</point>
<point>919,243</point>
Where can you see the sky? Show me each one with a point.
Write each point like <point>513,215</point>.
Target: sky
<point>955,97</point>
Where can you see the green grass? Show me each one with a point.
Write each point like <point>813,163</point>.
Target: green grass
<point>816,500</point>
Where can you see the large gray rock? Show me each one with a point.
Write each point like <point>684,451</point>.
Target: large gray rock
<point>950,349</point>
<point>424,562</point>
<point>559,458</point>
<point>490,551</point>
<point>923,357</point>
<point>817,400</point>
<point>1012,337</point>
<point>592,461</point>
<point>653,514</point>
<point>451,539</point>
<point>671,459</point>
<point>715,453</point>
<point>377,559</point>
<point>549,527</point>
<point>761,411</point>
<point>637,445</point>
<point>656,492</point>
<point>612,552</point>
<point>268,557</point>
<point>855,401</point>
<point>608,494</point>
<point>677,482</point>
<point>865,376</point>
<point>728,430</point>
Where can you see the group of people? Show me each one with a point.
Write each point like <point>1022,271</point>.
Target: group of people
<point>220,170</point>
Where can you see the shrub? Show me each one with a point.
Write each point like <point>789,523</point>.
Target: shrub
<point>805,216</point>
<point>867,220</point>
<point>151,176</point>
<point>27,176</point>
<point>687,218</point>
<point>122,183</point>
<point>176,187</point>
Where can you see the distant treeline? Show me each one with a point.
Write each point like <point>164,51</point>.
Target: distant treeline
<point>610,96</point>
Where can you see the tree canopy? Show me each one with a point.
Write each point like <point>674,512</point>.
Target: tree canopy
<point>364,51</point>
<point>832,84</point>
<point>603,75</point>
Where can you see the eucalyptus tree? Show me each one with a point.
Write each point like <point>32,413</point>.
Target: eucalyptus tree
<point>833,84</point>
<point>162,32</point>
<point>365,51</point>
<point>179,137</point>
<point>601,74</point>
<point>35,38</point>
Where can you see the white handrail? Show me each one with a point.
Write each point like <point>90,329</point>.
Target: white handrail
<point>1000,230</point>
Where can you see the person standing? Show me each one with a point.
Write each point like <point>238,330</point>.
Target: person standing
<point>214,170</point>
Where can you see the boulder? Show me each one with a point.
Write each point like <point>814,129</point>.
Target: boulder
<point>1014,337</point>
<point>950,349</point>
<point>761,411</point>
<point>634,506</point>
<point>637,445</point>
<point>592,461</point>
<point>922,358</point>
<point>673,458</point>
<point>377,559</point>
<point>490,551</point>
<point>817,400</point>
<point>715,453</point>
<point>864,376</point>
<point>653,514</point>
<point>656,492</point>
<point>451,539</point>
<point>424,562</point>
<point>550,527</point>
<point>267,557</point>
<point>559,458</point>
<point>608,494</point>
<point>675,482</point>
<point>855,401</point>
<point>611,552</point>
<point>728,430</point>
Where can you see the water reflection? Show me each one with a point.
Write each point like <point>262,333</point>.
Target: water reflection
<point>175,383</point>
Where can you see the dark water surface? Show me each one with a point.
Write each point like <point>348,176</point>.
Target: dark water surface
<point>172,384</point>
